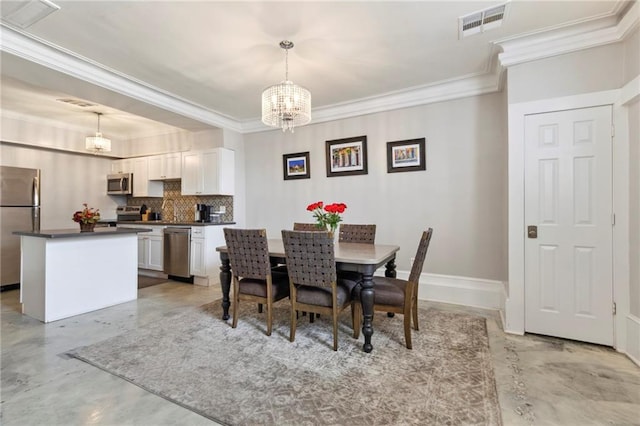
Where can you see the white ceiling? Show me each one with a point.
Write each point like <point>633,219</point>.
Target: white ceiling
<point>197,64</point>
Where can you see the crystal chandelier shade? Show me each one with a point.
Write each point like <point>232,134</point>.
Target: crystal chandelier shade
<point>286,104</point>
<point>97,143</point>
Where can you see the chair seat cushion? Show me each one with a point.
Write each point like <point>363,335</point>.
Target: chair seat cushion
<point>388,291</point>
<point>258,287</point>
<point>321,296</point>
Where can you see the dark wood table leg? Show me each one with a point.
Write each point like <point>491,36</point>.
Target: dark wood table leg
<point>390,271</point>
<point>390,268</point>
<point>366,299</point>
<point>225,284</point>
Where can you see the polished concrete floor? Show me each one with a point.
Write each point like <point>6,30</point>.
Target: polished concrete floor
<point>540,380</point>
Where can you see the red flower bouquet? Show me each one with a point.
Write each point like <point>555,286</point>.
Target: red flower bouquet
<point>327,217</point>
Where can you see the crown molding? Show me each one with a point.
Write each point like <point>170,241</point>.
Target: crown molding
<point>580,36</point>
<point>514,51</point>
<point>415,96</point>
<point>39,51</point>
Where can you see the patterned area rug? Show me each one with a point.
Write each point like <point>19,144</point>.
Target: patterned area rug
<point>243,377</point>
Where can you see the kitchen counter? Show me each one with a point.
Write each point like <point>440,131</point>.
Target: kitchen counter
<point>75,233</point>
<point>66,272</point>
<point>168,223</point>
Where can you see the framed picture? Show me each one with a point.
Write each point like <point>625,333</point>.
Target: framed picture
<point>296,166</point>
<point>347,156</point>
<point>406,156</point>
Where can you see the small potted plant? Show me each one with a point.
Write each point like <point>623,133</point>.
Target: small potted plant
<point>87,218</point>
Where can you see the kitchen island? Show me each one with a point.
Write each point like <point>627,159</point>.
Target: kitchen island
<point>65,272</point>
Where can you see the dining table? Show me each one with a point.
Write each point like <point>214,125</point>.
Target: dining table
<point>363,258</point>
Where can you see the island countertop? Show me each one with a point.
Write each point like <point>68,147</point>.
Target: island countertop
<point>76,233</point>
<point>170,223</point>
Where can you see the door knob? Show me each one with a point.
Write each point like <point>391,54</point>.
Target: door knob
<point>532,231</point>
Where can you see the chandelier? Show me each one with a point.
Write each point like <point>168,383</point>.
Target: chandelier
<point>97,143</point>
<point>286,105</point>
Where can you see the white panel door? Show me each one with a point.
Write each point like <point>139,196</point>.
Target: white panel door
<point>568,197</point>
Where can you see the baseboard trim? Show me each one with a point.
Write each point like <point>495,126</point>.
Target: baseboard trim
<point>633,339</point>
<point>473,292</point>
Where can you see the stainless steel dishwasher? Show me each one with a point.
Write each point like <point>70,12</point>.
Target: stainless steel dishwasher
<point>177,251</point>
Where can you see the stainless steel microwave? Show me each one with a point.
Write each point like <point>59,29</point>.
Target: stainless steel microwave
<point>120,184</point>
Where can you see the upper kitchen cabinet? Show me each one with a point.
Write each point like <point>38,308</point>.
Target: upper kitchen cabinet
<point>122,166</point>
<point>164,167</point>
<point>209,172</point>
<point>142,186</point>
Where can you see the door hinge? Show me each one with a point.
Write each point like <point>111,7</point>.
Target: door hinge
<point>613,310</point>
<point>613,219</point>
<point>613,131</point>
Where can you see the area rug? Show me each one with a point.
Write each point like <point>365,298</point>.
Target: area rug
<point>243,377</point>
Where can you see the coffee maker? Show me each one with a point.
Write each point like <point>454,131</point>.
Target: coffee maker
<point>203,213</point>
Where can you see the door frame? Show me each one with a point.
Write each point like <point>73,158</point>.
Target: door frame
<point>513,315</point>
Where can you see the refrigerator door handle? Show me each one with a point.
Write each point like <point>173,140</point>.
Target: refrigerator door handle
<point>36,191</point>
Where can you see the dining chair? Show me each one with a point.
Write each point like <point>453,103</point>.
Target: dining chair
<point>356,233</point>
<point>397,295</point>
<point>313,282</point>
<point>297,226</point>
<point>251,272</point>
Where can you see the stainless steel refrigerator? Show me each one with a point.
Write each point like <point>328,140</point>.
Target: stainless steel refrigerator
<point>19,211</point>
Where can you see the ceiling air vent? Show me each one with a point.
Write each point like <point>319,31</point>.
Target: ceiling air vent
<point>76,102</point>
<point>481,21</point>
<point>27,13</point>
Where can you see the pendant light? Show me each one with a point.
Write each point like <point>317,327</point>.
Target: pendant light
<point>97,143</point>
<point>286,104</point>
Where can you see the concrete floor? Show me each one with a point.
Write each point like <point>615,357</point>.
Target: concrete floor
<point>540,380</point>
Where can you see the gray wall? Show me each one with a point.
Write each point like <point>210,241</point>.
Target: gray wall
<point>68,180</point>
<point>587,71</point>
<point>462,194</point>
<point>631,57</point>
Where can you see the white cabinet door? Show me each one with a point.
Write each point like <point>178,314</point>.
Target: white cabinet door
<point>150,247</point>
<point>191,183</point>
<point>197,264</point>
<point>172,166</point>
<point>156,167</point>
<point>121,166</point>
<point>209,172</point>
<point>155,259</point>
<point>167,166</point>
<point>142,186</point>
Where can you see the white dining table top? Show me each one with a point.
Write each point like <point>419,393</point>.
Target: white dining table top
<point>344,252</point>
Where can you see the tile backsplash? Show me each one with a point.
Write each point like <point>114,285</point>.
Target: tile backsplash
<point>184,204</point>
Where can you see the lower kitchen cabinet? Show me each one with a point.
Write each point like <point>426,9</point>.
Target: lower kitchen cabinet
<point>198,261</point>
<point>150,247</point>
<point>150,252</point>
<point>205,260</point>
